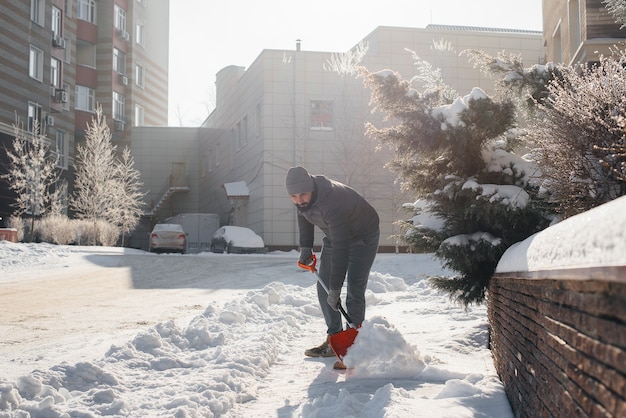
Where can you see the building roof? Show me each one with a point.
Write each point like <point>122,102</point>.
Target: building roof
<point>479,29</point>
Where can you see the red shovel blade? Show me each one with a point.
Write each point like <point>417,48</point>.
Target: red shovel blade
<point>341,341</point>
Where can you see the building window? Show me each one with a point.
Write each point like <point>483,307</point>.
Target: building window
<point>37,11</point>
<point>118,106</point>
<point>120,19</point>
<point>140,35</point>
<point>62,148</point>
<point>139,75</point>
<point>557,53</point>
<point>321,114</point>
<point>55,73</point>
<point>119,61</point>
<point>86,54</point>
<point>216,155</point>
<point>139,116</point>
<point>238,134</point>
<point>57,22</point>
<point>244,131</point>
<point>257,120</point>
<point>68,7</point>
<point>85,99</point>
<point>67,52</point>
<point>66,105</point>
<point>86,10</point>
<point>35,66</point>
<point>34,115</point>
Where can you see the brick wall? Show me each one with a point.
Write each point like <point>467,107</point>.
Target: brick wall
<point>558,340</point>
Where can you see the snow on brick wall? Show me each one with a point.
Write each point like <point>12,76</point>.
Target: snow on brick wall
<point>558,340</point>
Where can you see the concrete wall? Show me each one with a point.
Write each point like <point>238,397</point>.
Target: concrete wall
<point>558,340</point>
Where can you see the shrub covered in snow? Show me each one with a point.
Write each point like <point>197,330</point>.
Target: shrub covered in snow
<point>456,157</point>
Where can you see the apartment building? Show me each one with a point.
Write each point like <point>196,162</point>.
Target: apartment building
<point>579,31</point>
<point>61,58</point>
<point>290,107</point>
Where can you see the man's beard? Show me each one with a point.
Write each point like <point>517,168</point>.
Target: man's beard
<point>304,207</point>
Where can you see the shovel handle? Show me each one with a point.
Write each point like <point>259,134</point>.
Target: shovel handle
<point>312,269</point>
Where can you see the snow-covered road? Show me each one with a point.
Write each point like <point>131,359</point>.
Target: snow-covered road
<point>103,296</point>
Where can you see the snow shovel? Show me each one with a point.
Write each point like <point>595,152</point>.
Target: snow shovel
<point>341,341</point>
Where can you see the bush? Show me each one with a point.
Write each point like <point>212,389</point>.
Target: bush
<point>87,232</point>
<point>17,223</point>
<point>55,229</point>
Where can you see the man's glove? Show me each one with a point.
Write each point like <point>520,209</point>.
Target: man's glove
<point>306,256</point>
<point>333,299</point>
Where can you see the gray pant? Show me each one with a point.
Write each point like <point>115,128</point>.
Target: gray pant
<point>361,257</point>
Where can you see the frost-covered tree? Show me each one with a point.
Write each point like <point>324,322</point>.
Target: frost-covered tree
<point>454,156</point>
<point>575,127</point>
<point>106,188</point>
<point>617,8</point>
<point>130,196</point>
<point>32,172</point>
<point>579,136</point>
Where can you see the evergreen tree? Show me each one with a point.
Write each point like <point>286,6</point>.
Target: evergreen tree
<point>32,172</point>
<point>455,156</point>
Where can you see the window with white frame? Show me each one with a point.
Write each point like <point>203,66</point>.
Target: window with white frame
<point>86,10</point>
<point>37,11</point>
<point>139,34</point>
<point>119,61</point>
<point>55,73</point>
<point>321,114</point>
<point>85,99</point>
<point>67,52</point>
<point>139,115</point>
<point>57,22</point>
<point>34,115</point>
<point>35,64</point>
<point>62,143</point>
<point>139,75</point>
<point>120,19</point>
<point>118,106</point>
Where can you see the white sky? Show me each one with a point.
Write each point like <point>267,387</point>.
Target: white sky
<point>206,36</point>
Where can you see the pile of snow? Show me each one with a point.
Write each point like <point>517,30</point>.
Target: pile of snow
<point>593,238</point>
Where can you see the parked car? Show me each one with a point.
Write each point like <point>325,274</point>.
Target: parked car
<point>237,240</point>
<point>168,238</point>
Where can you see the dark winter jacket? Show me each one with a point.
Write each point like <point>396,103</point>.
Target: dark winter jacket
<point>343,215</point>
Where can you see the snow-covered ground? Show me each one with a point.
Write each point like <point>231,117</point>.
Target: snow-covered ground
<point>91,331</point>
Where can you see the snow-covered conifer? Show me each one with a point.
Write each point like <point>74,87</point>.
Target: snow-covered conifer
<point>455,157</point>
